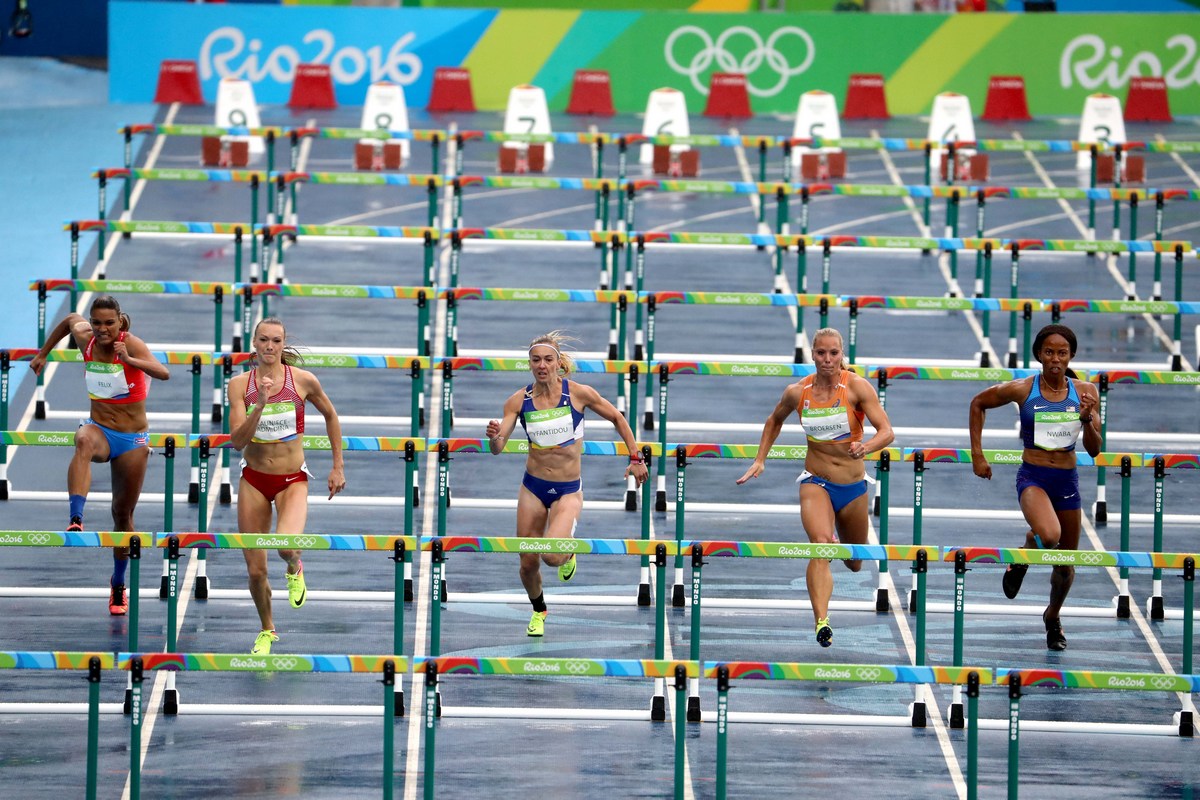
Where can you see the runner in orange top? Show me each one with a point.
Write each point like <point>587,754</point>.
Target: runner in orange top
<point>833,488</point>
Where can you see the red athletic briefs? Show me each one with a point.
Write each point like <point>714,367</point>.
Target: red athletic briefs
<point>270,484</point>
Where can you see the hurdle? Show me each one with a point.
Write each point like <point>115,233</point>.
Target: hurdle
<point>441,545</point>
<point>1018,679</point>
<point>137,664</point>
<point>658,669</point>
<point>253,178</point>
<point>918,555</point>
<point>95,664</point>
<point>359,234</point>
<point>128,228</point>
<point>962,556</point>
<point>407,447</point>
<point>400,547</point>
<point>782,452</point>
<point>84,539</point>
<point>22,354</point>
<point>725,672</point>
<point>445,446</point>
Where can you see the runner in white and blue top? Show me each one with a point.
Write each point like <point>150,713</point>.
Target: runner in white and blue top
<point>1054,409</point>
<point>550,499</point>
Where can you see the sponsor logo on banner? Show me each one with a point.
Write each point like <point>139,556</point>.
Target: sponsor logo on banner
<point>767,64</point>
<point>1093,63</point>
<point>226,53</point>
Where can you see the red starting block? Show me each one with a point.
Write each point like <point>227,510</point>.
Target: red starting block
<point>514,160</point>
<point>973,167</point>
<point>218,152</point>
<point>1134,169</point>
<point>378,155</point>
<point>681,164</point>
<point>822,166</point>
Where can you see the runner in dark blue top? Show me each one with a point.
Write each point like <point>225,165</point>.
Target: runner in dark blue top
<point>1055,408</point>
<point>551,495</point>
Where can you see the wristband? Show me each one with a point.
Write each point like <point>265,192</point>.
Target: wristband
<point>636,458</point>
<point>1087,421</point>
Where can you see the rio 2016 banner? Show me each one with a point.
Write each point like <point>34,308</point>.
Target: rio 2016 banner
<point>1063,58</point>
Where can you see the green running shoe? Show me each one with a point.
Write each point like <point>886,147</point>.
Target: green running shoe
<point>566,570</point>
<point>263,642</point>
<point>297,591</point>
<point>537,624</point>
<point>824,632</point>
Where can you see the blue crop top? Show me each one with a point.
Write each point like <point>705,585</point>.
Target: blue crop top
<point>560,426</point>
<point>1050,424</point>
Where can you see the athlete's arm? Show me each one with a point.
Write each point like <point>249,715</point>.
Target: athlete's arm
<point>313,392</point>
<point>499,430</point>
<point>134,352</point>
<point>770,432</point>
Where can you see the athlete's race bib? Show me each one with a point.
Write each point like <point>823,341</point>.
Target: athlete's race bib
<point>825,424</point>
<point>277,423</point>
<point>1056,430</point>
<point>550,427</point>
<point>105,381</point>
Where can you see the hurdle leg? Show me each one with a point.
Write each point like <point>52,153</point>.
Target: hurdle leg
<point>1014,733</point>
<point>93,725</point>
<point>430,727</point>
<point>693,705</point>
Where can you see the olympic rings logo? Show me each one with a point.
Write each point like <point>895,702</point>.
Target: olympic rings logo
<point>338,361</point>
<point>145,286</point>
<point>305,542</point>
<point>283,663</point>
<point>39,538</point>
<point>868,673</point>
<point>577,667</point>
<point>567,546</point>
<point>758,54</point>
<point>1091,558</point>
<point>772,370</point>
<point>824,551</point>
<point>1162,682</point>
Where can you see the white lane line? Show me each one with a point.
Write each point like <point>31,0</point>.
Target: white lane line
<point>422,584</point>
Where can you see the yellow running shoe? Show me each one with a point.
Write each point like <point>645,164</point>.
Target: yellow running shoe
<point>566,570</point>
<point>297,591</point>
<point>824,632</point>
<point>537,624</point>
<point>263,642</point>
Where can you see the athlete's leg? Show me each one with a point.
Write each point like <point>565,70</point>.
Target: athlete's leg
<point>853,526</point>
<point>254,516</point>
<point>816,513</point>
<point>531,521</point>
<point>560,524</point>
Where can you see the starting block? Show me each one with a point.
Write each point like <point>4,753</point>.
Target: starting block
<point>224,151</point>
<point>666,115</point>
<point>676,163</point>
<point>951,121</point>
<point>822,165</point>
<point>527,112</point>
<point>968,166</point>
<point>378,155</point>
<point>1133,168</point>
<point>1102,123</point>
<point>385,109</point>
<point>817,117</point>
<point>236,108</point>
<point>516,160</point>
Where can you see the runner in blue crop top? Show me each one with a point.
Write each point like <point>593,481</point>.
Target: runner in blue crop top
<point>550,499</point>
<point>1054,410</point>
